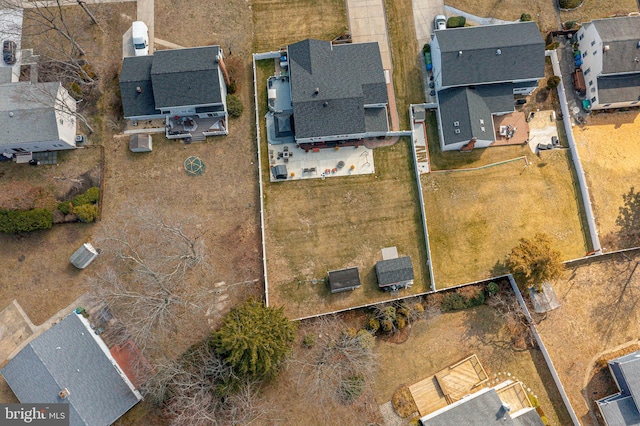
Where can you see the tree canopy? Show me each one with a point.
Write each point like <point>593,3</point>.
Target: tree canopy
<point>254,339</point>
<point>534,261</point>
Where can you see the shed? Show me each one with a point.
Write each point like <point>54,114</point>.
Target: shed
<point>140,142</point>
<point>83,256</point>
<point>344,279</point>
<point>394,274</point>
<point>279,171</point>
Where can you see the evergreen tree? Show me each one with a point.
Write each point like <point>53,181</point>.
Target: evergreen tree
<point>535,261</point>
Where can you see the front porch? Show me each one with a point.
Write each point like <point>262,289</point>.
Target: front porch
<point>194,127</point>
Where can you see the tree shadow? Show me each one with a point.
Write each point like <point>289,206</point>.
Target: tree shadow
<point>499,268</point>
<point>629,219</point>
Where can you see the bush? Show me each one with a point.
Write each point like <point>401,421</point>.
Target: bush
<point>12,221</point>
<point>492,288</point>
<point>64,207</point>
<point>309,340</point>
<point>426,48</point>
<point>373,325</point>
<point>478,300</point>
<point>90,197</point>
<point>569,4</point>
<point>234,106</point>
<point>552,46</point>
<point>366,339</point>
<point>401,322</point>
<point>231,88</point>
<point>569,24</point>
<point>525,17</point>
<point>553,82</point>
<point>351,388</point>
<point>386,325</point>
<point>454,302</point>
<point>456,22</point>
<point>86,212</point>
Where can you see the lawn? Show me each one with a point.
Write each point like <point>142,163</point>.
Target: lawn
<point>445,339</point>
<point>598,312</point>
<point>594,9</point>
<point>280,22</point>
<point>608,148</point>
<point>476,217</point>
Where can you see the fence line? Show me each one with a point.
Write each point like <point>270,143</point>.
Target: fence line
<point>470,169</point>
<point>264,247</point>
<point>543,349</point>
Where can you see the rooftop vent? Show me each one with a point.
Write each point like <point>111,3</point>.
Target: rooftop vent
<point>316,91</point>
<point>460,53</point>
<point>606,47</point>
<point>456,123</point>
<point>506,407</point>
<point>325,104</point>
<point>481,121</point>
<point>498,52</point>
<point>636,59</point>
<point>138,89</point>
<point>64,393</point>
<point>482,128</point>
<point>10,113</point>
<point>456,131</point>
<point>638,45</point>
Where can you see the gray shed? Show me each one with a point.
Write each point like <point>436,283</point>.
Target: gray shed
<point>140,142</point>
<point>394,274</point>
<point>83,256</point>
<point>344,279</point>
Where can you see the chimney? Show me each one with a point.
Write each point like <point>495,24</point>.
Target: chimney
<point>64,393</point>
<point>138,89</point>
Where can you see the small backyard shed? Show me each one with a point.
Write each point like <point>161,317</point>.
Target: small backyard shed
<point>140,143</point>
<point>394,274</point>
<point>83,256</point>
<point>344,279</point>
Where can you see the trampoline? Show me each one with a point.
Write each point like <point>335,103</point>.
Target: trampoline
<point>194,166</point>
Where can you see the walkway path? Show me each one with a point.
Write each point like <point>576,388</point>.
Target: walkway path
<point>478,19</point>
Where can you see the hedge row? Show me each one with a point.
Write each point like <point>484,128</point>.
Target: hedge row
<point>456,22</point>
<point>83,205</point>
<point>12,221</point>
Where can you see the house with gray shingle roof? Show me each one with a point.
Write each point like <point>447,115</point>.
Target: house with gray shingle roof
<point>477,71</point>
<point>70,364</point>
<point>622,407</point>
<point>394,274</point>
<point>338,93</point>
<point>610,50</point>
<point>36,117</point>
<point>182,86</point>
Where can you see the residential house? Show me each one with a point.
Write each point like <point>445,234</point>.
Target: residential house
<point>610,50</point>
<point>70,364</point>
<point>338,94</point>
<point>477,71</point>
<point>622,408</point>
<point>185,87</point>
<point>36,117</point>
<point>344,279</point>
<point>394,274</point>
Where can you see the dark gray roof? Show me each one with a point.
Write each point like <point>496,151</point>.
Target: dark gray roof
<point>375,119</point>
<point>528,418</point>
<point>622,35</point>
<point>482,408</point>
<point>392,271</point>
<point>186,77</point>
<point>347,77</point>
<point>68,356</point>
<point>619,88</point>
<point>619,410</point>
<point>466,106</point>
<point>344,279</point>
<point>136,72</point>
<point>521,53</point>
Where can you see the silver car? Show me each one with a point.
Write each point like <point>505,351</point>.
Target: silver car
<point>440,22</point>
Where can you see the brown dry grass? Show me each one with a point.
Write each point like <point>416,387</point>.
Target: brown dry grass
<point>594,9</point>
<point>441,340</point>
<point>608,148</point>
<point>598,313</point>
<point>280,22</point>
<point>476,217</point>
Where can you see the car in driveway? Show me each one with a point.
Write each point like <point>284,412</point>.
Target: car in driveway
<point>140,37</point>
<point>9,52</point>
<point>440,22</point>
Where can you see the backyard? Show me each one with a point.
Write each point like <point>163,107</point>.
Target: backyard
<point>599,315</point>
<point>608,148</point>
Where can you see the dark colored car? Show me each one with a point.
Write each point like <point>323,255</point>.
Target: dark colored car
<point>9,52</point>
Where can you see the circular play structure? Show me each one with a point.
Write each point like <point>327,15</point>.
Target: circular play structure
<point>194,166</point>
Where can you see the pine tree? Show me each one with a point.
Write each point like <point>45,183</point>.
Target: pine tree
<point>535,261</point>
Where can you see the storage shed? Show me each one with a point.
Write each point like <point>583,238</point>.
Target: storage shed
<point>83,256</point>
<point>344,279</point>
<point>279,171</point>
<point>394,274</point>
<point>140,143</point>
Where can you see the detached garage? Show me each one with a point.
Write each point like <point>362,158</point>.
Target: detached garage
<point>344,279</point>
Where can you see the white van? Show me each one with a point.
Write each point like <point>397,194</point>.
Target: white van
<point>140,35</point>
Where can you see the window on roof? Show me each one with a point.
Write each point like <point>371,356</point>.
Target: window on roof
<point>588,70</point>
<point>593,99</point>
<point>585,54</point>
<point>593,43</point>
<point>595,52</point>
<point>590,82</point>
<point>581,36</point>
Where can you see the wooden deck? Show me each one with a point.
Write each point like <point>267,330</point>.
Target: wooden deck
<point>461,379</point>
<point>515,122</point>
<point>514,395</point>
<point>427,396</point>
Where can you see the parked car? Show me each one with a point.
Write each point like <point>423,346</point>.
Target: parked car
<point>9,52</point>
<point>140,36</point>
<point>440,22</point>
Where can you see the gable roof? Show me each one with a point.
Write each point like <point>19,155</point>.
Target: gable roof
<point>520,47</point>
<point>619,88</point>
<point>186,77</point>
<point>347,76</point>
<point>392,271</point>
<point>28,112</point>
<point>467,106</point>
<point>136,72</point>
<point>70,355</point>
<point>622,408</point>
<point>481,408</point>
<point>622,35</point>
<point>619,410</point>
<point>344,279</point>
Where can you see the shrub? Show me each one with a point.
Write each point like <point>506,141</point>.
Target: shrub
<point>478,300</point>
<point>234,106</point>
<point>64,207</point>
<point>544,419</point>
<point>426,48</point>
<point>534,400</point>
<point>401,322</point>
<point>456,22</point>
<point>403,311</point>
<point>366,339</point>
<point>569,24</point>
<point>309,340</point>
<point>350,332</point>
<point>90,197</point>
<point>231,88</point>
<point>552,46</point>
<point>418,309</point>
<point>569,4</point>
<point>525,17</point>
<point>386,325</point>
<point>12,221</point>
<point>86,212</point>
<point>351,388</point>
<point>454,302</point>
<point>553,82</point>
<point>373,325</point>
<point>492,288</point>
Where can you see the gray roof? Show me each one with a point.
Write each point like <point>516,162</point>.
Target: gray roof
<point>34,116</point>
<point>68,356</point>
<point>619,88</point>
<point>392,271</point>
<point>482,408</point>
<point>619,410</point>
<point>375,120</point>
<point>347,77</point>
<point>344,279</point>
<point>186,77</point>
<point>136,72</point>
<point>528,418</point>
<point>521,54</point>
<point>467,106</point>
<point>622,35</point>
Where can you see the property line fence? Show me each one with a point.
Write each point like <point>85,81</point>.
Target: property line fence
<point>486,166</point>
<point>582,182</point>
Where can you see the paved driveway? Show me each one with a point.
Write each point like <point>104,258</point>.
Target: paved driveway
<point>424,11</point>
<point>367,22</point>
